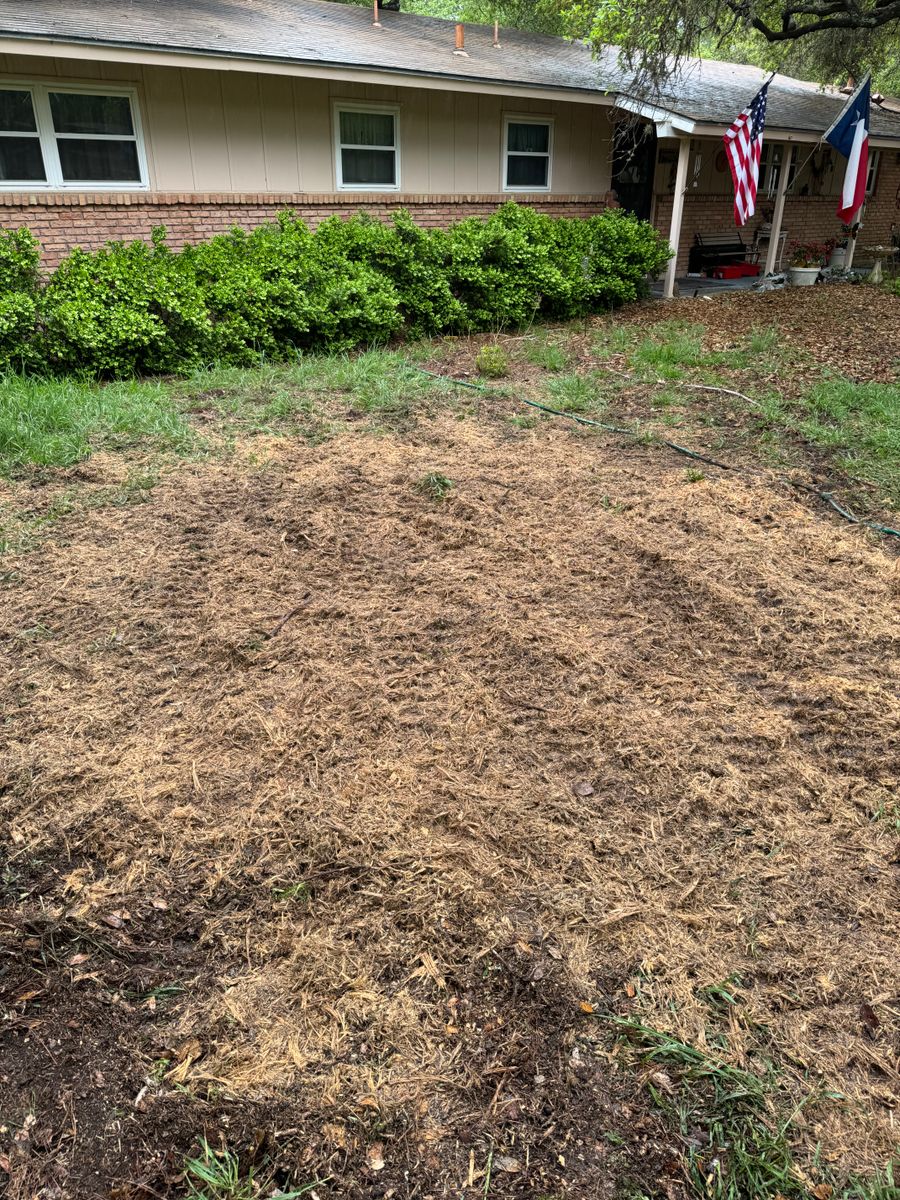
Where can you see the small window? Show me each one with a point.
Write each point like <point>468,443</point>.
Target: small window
<point>872,173</point>
<point>367,152</point>
<point>21,159</point>
<point>527,147</point>
<point>61,137</point>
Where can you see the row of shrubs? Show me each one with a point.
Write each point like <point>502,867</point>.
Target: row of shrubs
<point>134,308</point>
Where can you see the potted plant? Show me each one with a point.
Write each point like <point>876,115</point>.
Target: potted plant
<point>805,261</point>
<point>837,259</point>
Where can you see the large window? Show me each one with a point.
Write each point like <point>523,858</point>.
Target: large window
<point>63,137</point>
<point>527,147</point>
<point>367,154</point>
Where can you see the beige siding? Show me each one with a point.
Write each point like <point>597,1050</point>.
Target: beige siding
<point>231,131</point>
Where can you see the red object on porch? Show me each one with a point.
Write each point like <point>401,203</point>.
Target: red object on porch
<point>735,270</point>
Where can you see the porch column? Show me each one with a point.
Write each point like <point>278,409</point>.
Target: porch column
<point>775,235</point>
<point>684,153</point>
<point>855,220</point>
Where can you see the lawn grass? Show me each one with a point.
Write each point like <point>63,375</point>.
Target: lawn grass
<point>57,422</point>
<point>856,426</point>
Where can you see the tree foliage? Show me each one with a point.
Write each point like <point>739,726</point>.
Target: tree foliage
<point>826,40</point>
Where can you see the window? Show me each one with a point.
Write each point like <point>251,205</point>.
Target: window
<point>527,145</point>
<point>770,161</point>
<point>872,173</point>
<point>367,156</point>
<point>20,142</point>
<point>65,137</point>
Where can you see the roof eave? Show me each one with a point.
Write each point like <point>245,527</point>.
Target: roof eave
<point>159,55</point>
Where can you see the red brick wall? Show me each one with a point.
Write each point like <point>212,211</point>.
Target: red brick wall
<point>62,221</point>
<point>806,218</point>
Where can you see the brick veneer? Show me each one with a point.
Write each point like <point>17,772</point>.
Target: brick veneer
<point>806,218</point>
<point>61,221</point>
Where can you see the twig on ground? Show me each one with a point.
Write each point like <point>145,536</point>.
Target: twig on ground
<point>287,616</point>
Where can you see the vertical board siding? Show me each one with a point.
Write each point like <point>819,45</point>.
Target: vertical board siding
<point>234,131</point>
<point>244,131</point>
<point>166,130</point>
<point>281,143</point>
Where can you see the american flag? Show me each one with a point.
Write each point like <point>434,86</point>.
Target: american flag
<point>743,145</point>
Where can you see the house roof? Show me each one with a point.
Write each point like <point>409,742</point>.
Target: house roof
<point>324,33</point>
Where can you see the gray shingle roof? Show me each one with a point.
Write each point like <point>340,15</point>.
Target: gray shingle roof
<point>321,32</point>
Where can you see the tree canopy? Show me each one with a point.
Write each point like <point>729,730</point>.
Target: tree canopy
<point>823,40</point>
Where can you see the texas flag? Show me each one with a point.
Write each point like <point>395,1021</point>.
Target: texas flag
<point>850,136</point>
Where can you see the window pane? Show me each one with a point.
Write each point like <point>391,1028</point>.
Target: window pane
<point>21,159</point>
<point>368,166</point>
<point>16,112</point>
<point>86,161</point>
<point>77,113</point>
<point>526,172</point>
<point>535,138</point>
<point>367,129</point>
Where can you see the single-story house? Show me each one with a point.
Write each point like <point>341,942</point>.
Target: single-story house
<point>203,114</point>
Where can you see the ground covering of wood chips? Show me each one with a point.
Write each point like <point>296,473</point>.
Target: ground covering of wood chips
<point>344,818</point>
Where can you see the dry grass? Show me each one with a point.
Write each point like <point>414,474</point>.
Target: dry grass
<point>396,789</point>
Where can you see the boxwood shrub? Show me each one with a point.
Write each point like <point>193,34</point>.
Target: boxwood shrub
<point>134,308</point>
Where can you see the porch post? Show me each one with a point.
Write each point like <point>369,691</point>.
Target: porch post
<point>684,153</point>
<point>855,220</point>
<point>778,214</point>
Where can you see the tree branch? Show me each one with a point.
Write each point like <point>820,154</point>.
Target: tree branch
<point>828,16</point>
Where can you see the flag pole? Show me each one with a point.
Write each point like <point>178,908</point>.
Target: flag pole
<point>854,232</point>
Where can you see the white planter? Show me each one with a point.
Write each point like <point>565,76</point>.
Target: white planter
<point>803,276</point>
<point>838,258</point>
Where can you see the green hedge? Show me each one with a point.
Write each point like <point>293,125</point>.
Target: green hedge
<point>137,309</point>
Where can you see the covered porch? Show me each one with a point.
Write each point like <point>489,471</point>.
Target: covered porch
<point>673,171</point>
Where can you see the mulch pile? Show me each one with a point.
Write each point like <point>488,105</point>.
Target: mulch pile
<point>332,811</point>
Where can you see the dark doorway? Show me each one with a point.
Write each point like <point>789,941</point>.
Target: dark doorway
<point>634,165</point>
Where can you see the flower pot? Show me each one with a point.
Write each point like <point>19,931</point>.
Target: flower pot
<point>803,276</point>
<point>837,259</point>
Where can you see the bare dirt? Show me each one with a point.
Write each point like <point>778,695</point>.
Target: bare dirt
<point>337,818</point>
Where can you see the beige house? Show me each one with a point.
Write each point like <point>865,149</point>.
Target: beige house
<point>201,114</point>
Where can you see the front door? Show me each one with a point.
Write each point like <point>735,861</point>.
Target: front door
<point>634,165</point>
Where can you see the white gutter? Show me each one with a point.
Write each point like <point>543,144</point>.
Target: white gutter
<point>663,118</point>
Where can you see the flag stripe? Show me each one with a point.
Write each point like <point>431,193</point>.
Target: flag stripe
<point>743,148</point>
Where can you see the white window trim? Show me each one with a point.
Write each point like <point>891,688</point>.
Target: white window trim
<point>392,110</point>
<point>525,119</point>
<point>47,136</point>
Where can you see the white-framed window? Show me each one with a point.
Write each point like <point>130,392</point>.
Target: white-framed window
<point>872,173</point>
<point>527,153</point>
<point>61,136</point>
<point>367,147</point>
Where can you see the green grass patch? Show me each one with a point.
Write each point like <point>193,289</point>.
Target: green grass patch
<point>671,346</point>
<point>549,355</point>
<point>576,393</point>
<point>856,424</point>
<point>218,1175</point>
<point>737,1126</point>
<point>57,422</point>
<point>435,485</point>
<point>613,340</point>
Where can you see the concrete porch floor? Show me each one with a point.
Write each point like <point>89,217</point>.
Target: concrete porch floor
<point>699,285</point>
